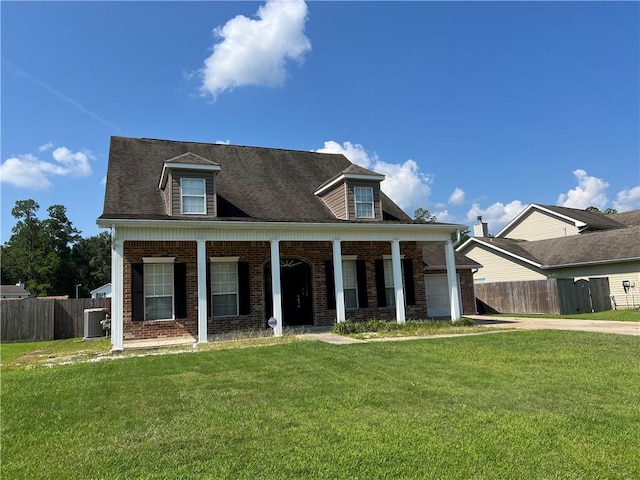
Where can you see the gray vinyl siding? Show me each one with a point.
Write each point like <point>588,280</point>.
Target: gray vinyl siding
<point>336,201</point>
<point>538,225</point>
<point>351,201</point>
<point>174,186</point>
<point>166,194</point>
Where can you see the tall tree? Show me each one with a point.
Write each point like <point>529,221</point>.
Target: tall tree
<point>38,252</point>
<point>91,260</point>
<point>424,215</point>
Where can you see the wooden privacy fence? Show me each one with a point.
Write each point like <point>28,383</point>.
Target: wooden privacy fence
<point>551,296</point>
<point>36,319</point>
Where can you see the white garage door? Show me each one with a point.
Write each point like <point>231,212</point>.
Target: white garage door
<point>437,290</point>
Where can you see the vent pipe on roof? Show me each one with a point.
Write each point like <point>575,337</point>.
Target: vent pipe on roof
<point>481,229</point>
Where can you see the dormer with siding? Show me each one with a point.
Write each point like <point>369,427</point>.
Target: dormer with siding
<point>353,194</point>
<point>188,185</point>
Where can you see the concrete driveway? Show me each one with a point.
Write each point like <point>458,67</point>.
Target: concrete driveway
<point>602,326</point>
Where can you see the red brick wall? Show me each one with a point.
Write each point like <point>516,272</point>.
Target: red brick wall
<point>258,254</point>
<point>184,252</point>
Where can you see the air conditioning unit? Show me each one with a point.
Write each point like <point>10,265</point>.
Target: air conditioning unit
<point>92,326</point>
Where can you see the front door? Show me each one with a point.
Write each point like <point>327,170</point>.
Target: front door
<point>295,288</point>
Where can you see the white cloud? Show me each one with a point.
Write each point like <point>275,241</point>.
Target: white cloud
<point>45,147</point>
<point>457,197</point>
<point>74,164</point>
<point>223,142</point>
<point>404,183</point>
<point>590,191</point>
<point>628,200</point>
<point>496,215</point>
<point>28,171</point>
<point>256,51</point>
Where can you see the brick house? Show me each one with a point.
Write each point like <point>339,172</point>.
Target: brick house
<point>210,238</point>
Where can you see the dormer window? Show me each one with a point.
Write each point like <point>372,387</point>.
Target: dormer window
<point>364,202</point>
<point>193,195</point>
<point>188,185</point>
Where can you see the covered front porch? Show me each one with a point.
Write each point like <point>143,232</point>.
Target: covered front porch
<point>269,251</point>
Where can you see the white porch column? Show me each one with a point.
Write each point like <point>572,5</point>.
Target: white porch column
<point>337,280</point>
<point>452,279</point>
<point>117,292</point>
<point>397,281</point>
<point>275,286</point>
<point>202,291</point>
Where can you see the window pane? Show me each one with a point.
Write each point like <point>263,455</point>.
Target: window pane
<point>364,210</point>
<point>350,298</point>
<point>225,305</point>
<point>364,202</point>
<point>193,195</point>
<point>224,288</point>
<point>159,308</point>
<point>349,273</point>
<point>193,204</point>
<point>390,294</point>
<point>158,291</point>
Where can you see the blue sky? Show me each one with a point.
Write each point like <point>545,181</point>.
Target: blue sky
<point>468,108</point>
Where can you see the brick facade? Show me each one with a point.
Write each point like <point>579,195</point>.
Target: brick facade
<point>258,256</point>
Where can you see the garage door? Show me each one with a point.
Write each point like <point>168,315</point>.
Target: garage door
<point>437,290</point>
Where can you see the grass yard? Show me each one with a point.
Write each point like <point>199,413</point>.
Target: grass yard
<point>535,404</point>
<point>613,315</point>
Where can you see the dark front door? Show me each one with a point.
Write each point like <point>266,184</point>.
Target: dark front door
<point>295,285</point>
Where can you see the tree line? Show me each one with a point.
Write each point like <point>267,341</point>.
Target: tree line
<point>50,257</point>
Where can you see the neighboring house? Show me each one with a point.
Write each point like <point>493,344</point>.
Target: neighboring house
<point>550,241</point>
<point>209,238</point>
<point>102,292</point>
<point>436,284</point>
<point>13,292</point>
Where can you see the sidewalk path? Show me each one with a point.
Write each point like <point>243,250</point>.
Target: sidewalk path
<point>602,326</point>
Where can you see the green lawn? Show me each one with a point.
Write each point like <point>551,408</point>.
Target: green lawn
<point>536,404</point>
<point>613,315</point>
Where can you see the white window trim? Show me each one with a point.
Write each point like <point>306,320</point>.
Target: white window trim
<point>372,203</point>
<point>204,196</point>
<point>160,260</point>
<point>237,292</point>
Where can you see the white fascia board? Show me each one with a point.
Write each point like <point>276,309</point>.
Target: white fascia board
<point>185,166</point>
<point>506,252</point>
<point>235,230</point>
<point>348,176</point>
<point>578,224</point>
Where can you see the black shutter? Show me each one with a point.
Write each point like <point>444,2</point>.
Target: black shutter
<point>244,288</point>
<point>409,288</point>
<point>137,292</point>
<point>382,297</point>
<point>209,301</point>
<point>180,289</point>
<point>331,285</point>
<point>361,273</point>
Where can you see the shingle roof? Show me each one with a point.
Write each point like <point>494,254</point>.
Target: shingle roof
<point>12,290</point>
<point>627,218</point>
<point>594,220</point>
<point>433,258</point>
<point>595,247</point>
<point>254,183</point>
